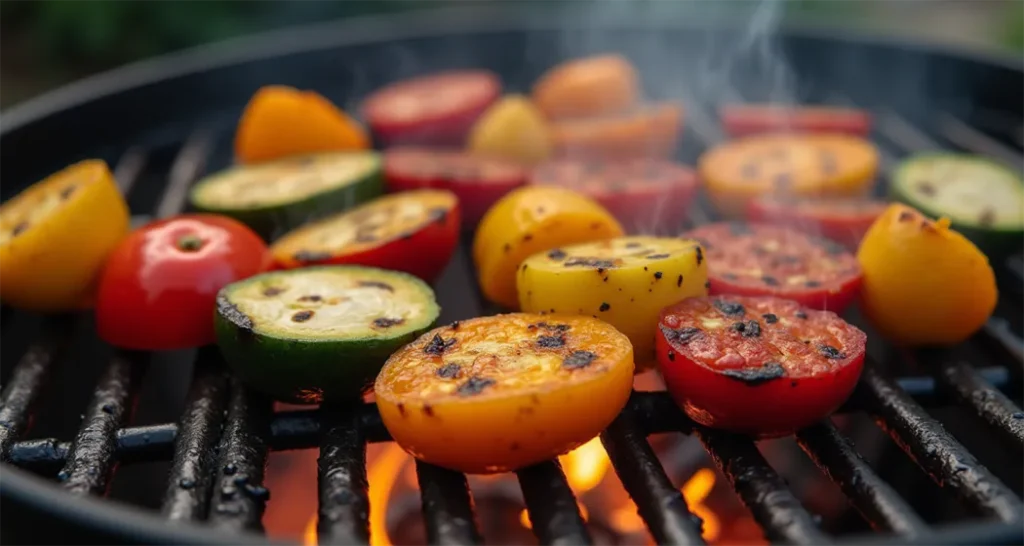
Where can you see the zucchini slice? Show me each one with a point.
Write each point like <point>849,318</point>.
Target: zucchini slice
<point>320,333</point>
<point>983,199</point>
<point>277,196</point>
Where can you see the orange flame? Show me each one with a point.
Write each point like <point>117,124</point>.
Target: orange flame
<point>695,491</point>
<point>309,536</point>
<point>585,466</point>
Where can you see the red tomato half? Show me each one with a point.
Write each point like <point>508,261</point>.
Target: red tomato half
<point>760,366</point>
<point>746,119</point>
<point>438,109</point>
<point>158,289</point>
<point>766,260</point>
<point>845,220</point>
<point>478,182</point>
<point>413,231</point>
<point>645,195</point>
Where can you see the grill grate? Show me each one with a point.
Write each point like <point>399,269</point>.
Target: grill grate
<point>220,446</point>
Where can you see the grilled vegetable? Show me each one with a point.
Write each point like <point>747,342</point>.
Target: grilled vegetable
<point>747,119</point>
<point>477,181</point>
<point>765,260</point>
<point>414,232</point>
<point>924,284</point>
<point>437,109</point>
<point>738,171</point>
<point>320,333</point>
<point>840,219</point>
<point>647,196</point>
<point>594,86</point>
<point>279,195</point>
<point>983,199</point>
<point>512,129</point>
<point>158,289</point>
<point>760,366</point>
<point>498,393</point>
<point>527,221</point>
<point>281,121</point>
<point>648,131</point>
<point>624,281</point>
<point>56,235</point>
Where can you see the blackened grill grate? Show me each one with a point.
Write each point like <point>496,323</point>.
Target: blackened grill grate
<point>220,445</point>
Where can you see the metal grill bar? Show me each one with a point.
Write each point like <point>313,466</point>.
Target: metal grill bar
<point>659,503</point>
<point>880,505</point>
<point>343,516</point>
<point>947,462</point>
<point>554,514</point>
<point>762,490</point>
<point>238,495</point>
<point>969,138</point>
<point>188,489</point>
<point>970,389</point>
<point>447,507</point>
<point>186,167</point>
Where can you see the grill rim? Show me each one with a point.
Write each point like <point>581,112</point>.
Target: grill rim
<point>127,521</point>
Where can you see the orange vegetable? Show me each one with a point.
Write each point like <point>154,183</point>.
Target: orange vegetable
<point>498,393</point>
<point>281,121</point>
<point>924,284</point>
<point>594,86</point>
<point>651,131</point>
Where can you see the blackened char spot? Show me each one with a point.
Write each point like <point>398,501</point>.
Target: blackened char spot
<point>657,274</point>
<point>578,359</point>
<point>604,307</point>
<point>707,285</point>
<point>750,328</point>
<point>830,352</point>
<point>385,322</point>
<point>926,188</point>
<point>987,218</point>
<point>812,284</point>
<point>311,256</point>
<point>906,216</point>
<point>800,315</point>
<point>68,192</point>
<point>557,254</point>
<point>303,316</point>
<point>756,376</point>
<point>657,256</point>
<point>439,214</point>
<point>311,297</point>
<point>679,281</point>
<point>473,386</point>
<point>633,244</point>
<point>272,291</point>
<point>449,371</point>
<point>769,280</point>
<point>671,355</point>
<point>377,284</point>
<point>589,262</point>
<point>551,342</point>
<point>437,345</point>
<point>233,315</point>
<point>19,229</point>
<point>700,255</point>
<point>729,307</point>
<point>681,335</point>
<point>770,318</point>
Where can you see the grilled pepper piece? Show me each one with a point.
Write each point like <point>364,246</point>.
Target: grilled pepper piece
<point>276,196</point>
<point>320,333</point>
<point>593,86</point>
<point>498,393</point>
<point>527,221</point>
<point>983,199</point>
<point>56,235</point>
<point>923,283</point>
<point>624,281</point>
<point>281,121</point>
<point>511,129</point>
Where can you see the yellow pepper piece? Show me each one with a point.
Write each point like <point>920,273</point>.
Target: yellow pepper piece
<point>56,235</point>
<point>924,284</point>
<point>512,129</point>
<point>625,282</point>
<point>530,220</point>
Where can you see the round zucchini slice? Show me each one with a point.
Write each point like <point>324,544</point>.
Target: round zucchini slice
<point>983,199</point>
<point>320,333</point>
<point>277,196</point>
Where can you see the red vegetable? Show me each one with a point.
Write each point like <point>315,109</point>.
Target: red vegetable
<point>845,220</point>
<point>158,289</point>
<point>647,196</point>
<point>436,109</point>
<point>478,182</point>
<point>766,260</point>
<point>761,366</point>
<point>743,119</point>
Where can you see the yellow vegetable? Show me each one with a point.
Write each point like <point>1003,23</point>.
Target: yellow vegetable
<point>512,129</point>
<point>625,282</point>
<point>56,235</point>
<point>924,284</point>
<point>530,220</point>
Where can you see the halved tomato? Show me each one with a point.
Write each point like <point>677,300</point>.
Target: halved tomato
<point>766,260</point>
<point>436,109</point>
<point>844,220</point>
<point>645,195</point>
<point>592,86</point>
<point>414,232</point>
<point>494,394</point>
<point>477,181</point>
<point>761,366</point>
<point>747,119</point>
<point>651,131</point>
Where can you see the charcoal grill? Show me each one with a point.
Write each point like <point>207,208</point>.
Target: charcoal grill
<point>165,122</point>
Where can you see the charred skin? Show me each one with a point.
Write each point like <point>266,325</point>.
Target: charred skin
<point>327,192</point>
<point>301,367</point>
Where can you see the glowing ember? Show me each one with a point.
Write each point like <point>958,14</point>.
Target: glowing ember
<point>309,536</point>
<point>695,490</point>
<point>585,466</point>
<point>382,474</point>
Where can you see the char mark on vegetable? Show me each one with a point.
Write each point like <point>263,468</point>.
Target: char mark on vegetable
<point>303,316</point>
<point>439,214</point>
<point>729,308</point>
<point>560,328</point>
<point>770,318</point>
<point>377,284</point>
<point>19,229</point>
<point>604,307</point>
<point>987,218</point>
<point>679,281</point>
<point>769,280</point>
<point>681,335</point>
<point>657,275</point>
<point>311,297</point>
<point>311,256</point>
<point>272,291</point>
<point>67,192</point>
<point>385,322</point>
<point>437,345</point>
<point>557,254</point>
<point>830,352</point>
<point>551,342</point>
<point>231,312</point>
<point>633,244</point>
<point>756,376</point>
<point>473,386</point>
<point>800,315</point>
<point>657,256</point>
<point>449,371</point>
<point>750,328</point>
<point>812,284</point>
<point>590,262</point>
<point>700,255</point>
<point>578,359</point>
<point>926,188</point>
<point>905,216</point>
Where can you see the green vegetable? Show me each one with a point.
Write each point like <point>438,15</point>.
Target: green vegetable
<point>320,333</point>
<point>277,196</point>
<point>983,199</point>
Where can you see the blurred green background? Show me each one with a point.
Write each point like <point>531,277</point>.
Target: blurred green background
<point>46,43</point>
